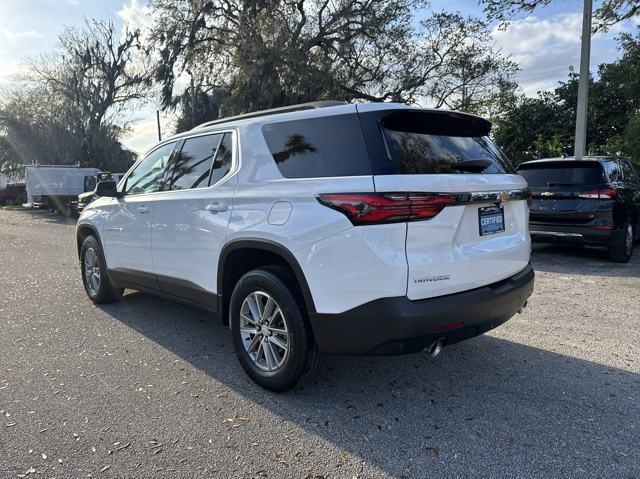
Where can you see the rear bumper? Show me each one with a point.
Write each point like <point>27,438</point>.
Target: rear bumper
<point>552,233</point>
<point>398,325</point>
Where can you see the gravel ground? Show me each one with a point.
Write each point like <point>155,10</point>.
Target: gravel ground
<point>149,388</point>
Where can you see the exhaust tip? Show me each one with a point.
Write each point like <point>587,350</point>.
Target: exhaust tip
<point>522,308</point>
<point>434,348</point>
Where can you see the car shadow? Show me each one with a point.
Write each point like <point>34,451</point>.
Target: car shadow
<point>571,259</point>
<point>486,405</point>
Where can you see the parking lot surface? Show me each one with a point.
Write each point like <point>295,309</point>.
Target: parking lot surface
<point>150,388</point>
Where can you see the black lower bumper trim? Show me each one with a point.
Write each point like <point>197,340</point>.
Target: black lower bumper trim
<point>398,325</point>
<point>569,234</point>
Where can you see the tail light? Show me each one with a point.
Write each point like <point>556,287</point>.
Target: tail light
<point>376,208</point>
<point>603,194</point>
<point>608,193</point>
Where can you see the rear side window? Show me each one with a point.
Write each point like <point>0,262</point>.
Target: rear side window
<point>222,162</point>
<point>614,173</point>
<point>318,147</point>
<point>568,173</point>
<point>628,172</point>
<point>192,166</point>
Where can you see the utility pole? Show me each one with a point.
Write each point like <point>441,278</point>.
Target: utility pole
<point>193,102</point>
<point>583,84</point>
<point>158,121</point>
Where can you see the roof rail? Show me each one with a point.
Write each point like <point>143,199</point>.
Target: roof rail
<point>284,109</point>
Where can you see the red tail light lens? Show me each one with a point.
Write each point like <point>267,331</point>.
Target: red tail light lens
<point>590,194</point>
<point>376,208</point>
<point>608,193</point>
<point>604,194</point>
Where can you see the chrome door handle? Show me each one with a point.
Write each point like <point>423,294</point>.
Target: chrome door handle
<point>143,209</point>
<point>217,208</point>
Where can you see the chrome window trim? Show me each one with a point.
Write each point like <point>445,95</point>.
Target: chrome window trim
<point>235,160</point>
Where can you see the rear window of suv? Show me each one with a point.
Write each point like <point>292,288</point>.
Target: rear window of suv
<point>318,147</point>
<point>565,173</point>
<point>421,153</point>
<point>412,141</point>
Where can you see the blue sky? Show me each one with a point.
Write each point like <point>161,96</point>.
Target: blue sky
<point>543,44</point>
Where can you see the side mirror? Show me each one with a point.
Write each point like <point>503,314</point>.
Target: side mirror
<point>107,188</point>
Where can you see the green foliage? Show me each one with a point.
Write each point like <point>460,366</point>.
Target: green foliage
<point>252,55</point>
<point>544,126</point>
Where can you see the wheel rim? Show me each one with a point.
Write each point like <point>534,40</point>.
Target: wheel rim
<point>629,239</point>
<point>264,331</point>
<point>91,271</point>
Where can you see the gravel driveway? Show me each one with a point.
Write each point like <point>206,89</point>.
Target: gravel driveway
<point>148,388</point>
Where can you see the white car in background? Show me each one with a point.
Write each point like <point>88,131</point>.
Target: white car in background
<point>321,228</point>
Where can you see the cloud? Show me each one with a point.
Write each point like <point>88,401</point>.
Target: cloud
<point>546,48</point>
<point>135,15</point>
<point>144,131</point>
<point>14,36</point>
<point>13,74</point>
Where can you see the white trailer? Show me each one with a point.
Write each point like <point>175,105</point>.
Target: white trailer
<point>55,185</point>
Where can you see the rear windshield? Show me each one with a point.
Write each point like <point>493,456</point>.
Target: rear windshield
<point>421,153</point>
<point>544,175</point>
<point>319,147</point>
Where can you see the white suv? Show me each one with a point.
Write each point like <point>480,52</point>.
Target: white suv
<point>320,228</point>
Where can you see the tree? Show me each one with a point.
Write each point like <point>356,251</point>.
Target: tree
<point>250,55</point>
<point>608,14</point>
<point>39,125</point>
<point>543,126</point>
<point>97,76</point>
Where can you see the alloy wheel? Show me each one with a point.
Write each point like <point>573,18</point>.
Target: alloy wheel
<point>264,331</point>
<point>92,271</point>
<point>628,241</point>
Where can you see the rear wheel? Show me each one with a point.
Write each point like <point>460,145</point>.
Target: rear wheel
<point>96,282</point>
<point>271,336</point>
<point>621,247</point>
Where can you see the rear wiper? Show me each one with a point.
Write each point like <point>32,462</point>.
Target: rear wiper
<point>473,166</point>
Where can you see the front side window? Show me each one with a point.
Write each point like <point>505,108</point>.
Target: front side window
<point>192,166</point>
<point>147,176</point>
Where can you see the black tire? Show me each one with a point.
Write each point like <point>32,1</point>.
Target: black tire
<point>301,360</point>
<point>102,291</point>
<point>620,248</point>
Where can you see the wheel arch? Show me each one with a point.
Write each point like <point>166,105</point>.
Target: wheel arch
<point>251,254</point>
<point>84,230</point>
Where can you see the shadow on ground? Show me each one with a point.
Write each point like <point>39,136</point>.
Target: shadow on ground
<point>570,259</point>
<point>492,404</point>
<point>48,216</point>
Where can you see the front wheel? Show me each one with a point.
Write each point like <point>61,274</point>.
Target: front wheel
<point>621,247</point>
<point>271,336</point>
<point>96,282</point>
